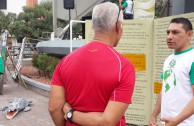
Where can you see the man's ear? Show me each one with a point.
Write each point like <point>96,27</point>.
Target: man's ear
<point>189,34</point>
<point>119,26</point>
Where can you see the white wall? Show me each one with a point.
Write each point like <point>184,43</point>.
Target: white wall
<point>178,7</point>
<point>15,6</point>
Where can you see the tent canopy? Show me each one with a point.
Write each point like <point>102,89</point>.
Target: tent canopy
<point>58,47</point>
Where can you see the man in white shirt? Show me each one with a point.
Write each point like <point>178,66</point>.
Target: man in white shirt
<point>127,8</point>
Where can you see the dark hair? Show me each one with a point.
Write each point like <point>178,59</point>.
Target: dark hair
<point>186,23</point>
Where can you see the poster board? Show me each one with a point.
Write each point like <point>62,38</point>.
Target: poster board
<point>161,51</point>
<point>144,9</point>
<point>144,43</point>
<point>3,41</point>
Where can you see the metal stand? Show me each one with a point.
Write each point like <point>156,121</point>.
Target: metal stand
<point>68,31</point>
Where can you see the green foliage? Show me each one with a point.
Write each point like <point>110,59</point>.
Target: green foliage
<point>61,23</point>
<point>35,61</point>
<point>33,21</point>
<point>158,8</point>
<point>6,20</point>
<point>53,63</point>
<point>77,30</point>
<point>2,18</point>
<point>44,63</point>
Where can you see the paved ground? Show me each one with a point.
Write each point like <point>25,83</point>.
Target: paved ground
<point>37,116</point>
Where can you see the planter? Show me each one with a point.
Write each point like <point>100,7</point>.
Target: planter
<point>38,87</point>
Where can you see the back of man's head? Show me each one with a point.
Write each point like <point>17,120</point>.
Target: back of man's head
<point>184,21</point>
<point>105,16</point>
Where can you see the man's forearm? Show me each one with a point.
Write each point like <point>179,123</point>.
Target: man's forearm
<point>109,117</point>
<point>157,108</point>
<point>58,118</point>
<point>120,3</point>
<point>89,119</point>
<point>56,103</point>
<point>83,118</point>
<point>156,111</point>
<point>186,112</point>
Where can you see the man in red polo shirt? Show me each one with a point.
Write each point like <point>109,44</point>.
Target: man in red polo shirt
<point>94,83</point>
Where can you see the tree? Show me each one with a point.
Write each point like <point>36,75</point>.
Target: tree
<point>33,21</point>
<point>5,20</point>
<point>2,20</point>
<point>158,8</point>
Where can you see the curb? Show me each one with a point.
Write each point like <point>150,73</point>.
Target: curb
<point>38,87</point>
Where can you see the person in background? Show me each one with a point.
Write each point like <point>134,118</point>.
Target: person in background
<point>176,99</point>
<point>127,8</point>
<point>94,84</point>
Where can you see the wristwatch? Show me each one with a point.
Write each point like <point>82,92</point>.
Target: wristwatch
<point>70,115</point>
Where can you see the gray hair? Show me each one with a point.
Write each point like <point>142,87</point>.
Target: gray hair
<point>104,17</point>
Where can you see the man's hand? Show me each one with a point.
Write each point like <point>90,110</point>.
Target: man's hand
<point>170,121</point>
<point>66,109</point>
<point>153,122</point>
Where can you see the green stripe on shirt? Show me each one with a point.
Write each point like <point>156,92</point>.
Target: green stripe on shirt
<point>191,73</point>
<point>125,4</point>
<point>162,76</point>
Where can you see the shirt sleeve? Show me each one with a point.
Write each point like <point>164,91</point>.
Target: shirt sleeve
<point>162,76</point>
<point>56,78</point>
<point>125,4</point>
<point>124,91</point>
<point>191,73</point>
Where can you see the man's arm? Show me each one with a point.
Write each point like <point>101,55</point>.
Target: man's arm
<point>120,3</point>
<point>184,114</point>
<point>110,117</point>
<point>56,103</point>
<point>156,111</point>
<point>123,6</point>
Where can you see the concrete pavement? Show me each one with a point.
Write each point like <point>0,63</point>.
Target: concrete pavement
<point>37,116</point>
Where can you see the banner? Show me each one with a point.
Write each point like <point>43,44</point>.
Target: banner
<point>1,66</point>
<point>143,42</point>
<point>3,50</point>
<point>144,9</point>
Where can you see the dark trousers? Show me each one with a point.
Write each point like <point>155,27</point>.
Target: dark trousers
<point>128,16</point>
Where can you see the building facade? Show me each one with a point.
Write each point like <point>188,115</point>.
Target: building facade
<point>3,4</point>
<point>176,7</point>
<point>15,6</point>
<point>31,3</point>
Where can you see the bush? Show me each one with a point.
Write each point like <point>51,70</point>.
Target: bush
<point>34,61</point>
<point>45,64</point>
<point>42,62</point>
<point>51,67</point>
